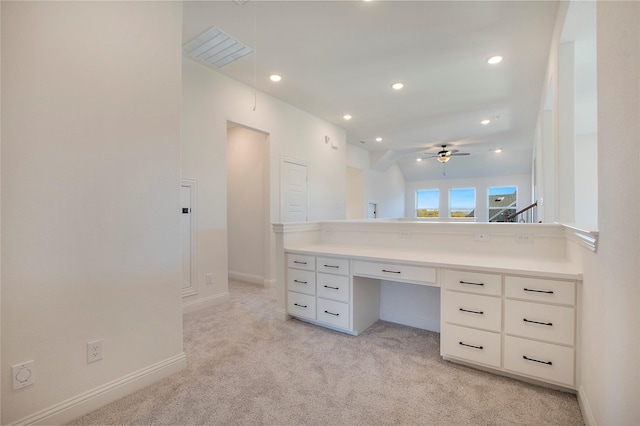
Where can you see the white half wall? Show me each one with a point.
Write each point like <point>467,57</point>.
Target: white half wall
<point>90,200</point>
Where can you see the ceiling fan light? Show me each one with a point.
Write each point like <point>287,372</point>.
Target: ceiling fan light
<point>443,158</point>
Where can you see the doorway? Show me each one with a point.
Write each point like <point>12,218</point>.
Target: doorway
<point>248,224</point>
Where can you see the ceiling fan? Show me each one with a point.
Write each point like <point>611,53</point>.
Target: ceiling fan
<point>445,155</point>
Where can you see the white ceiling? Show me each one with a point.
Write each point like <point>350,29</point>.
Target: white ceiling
<point>340,57</point>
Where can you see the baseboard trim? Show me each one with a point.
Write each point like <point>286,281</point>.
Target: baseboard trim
<point>270,283</point>
<point>248,278</point>
<point>411,321</point>
<point>87,402</point>
<point>282,314</point>
<point>585,407</point>
<point>205,302</point>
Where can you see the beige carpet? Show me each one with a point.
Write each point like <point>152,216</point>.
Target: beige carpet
<point>247,368</point>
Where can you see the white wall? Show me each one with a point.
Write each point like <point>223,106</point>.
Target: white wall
<point>386,189</point>
<point>482,185</point>
<point>90,197</point>
<point>209,101</point>
<point>610,298</point>
<point>247,188</point>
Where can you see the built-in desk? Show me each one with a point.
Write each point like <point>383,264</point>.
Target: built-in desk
<point>509,313</point>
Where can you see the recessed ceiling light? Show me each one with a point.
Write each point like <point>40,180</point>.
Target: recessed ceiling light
<point>485,122</point>
<point>275,77</point>
<point>397,86</point>
<point>418,159</point>
<point>498,151</point>
<point>378,139</point>
<point>494,60</point>
<point>347,117</point>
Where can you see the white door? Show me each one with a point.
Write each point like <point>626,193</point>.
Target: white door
<point>185,234</point>
<point>372,211</point>
<point>293,192</point>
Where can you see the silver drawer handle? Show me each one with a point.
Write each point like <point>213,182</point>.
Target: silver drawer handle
<point>391,272</point>
<point>538,291</point>
<point>332,288</point>
<point>471,312</point>
<point>331,313</point>
<point>299,263</point>
<point>470,283</point>
<point>300,282</point>
<point>471,346</point>
<point>302,306</point>
<point>332,266</point>
<point>537,360</point>
<point>537,322</point>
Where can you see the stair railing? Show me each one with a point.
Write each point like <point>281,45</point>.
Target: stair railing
<point>526,215</point>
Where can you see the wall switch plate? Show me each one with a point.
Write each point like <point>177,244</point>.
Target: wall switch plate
<point>483,237</point>
<point>94,351</point>
<point>209,278</point>
<point>23,375</point>
<point>405,235</point>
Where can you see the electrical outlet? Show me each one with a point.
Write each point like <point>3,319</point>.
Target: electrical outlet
<point>405,235</point>
<point>94,351</point>
<point>483,237</point>
<point>209,279</point>
<point>524,238</point>
<point>23,375</point>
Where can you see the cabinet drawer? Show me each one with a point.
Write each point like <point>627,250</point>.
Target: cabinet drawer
<point>538,321</point>
<point>542,360</point>
<point>332,265</point>
<point>473,345</point>
<point>395,272</point>
<point>301,281</point>
<point>334,287</point>
<point>301,261</point>
<point>474,311</point>
<point>541,290</point>
<point>473,282</point>
<point>301,305</point>
<point>333,313</point>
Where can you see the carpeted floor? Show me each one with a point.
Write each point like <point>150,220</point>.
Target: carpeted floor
<point>247,368</point>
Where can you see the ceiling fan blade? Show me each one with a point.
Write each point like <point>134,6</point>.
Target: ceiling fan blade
<point>462,153</point>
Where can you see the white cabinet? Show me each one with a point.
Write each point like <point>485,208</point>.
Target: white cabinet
<point>540,329</point>
<point>534,319</point>
<point>319,290</point>
<point>472,313</point>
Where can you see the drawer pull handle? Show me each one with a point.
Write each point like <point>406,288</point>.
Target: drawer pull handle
<point>472,312</point>
<point>471,346</point>
<point>539,291</point>
<point>332,266</point>
<point>470,283</point>
<point>331,313</point>
<point>299,263</point>
<point>302,306</point>
<point>300,282</point>
<point>537,360</point>
<point>332,288</point>
<point>391,272</point>
<point>537,322</point>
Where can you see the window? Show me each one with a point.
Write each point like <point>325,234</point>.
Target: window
<point>427,203</point>
<point>502,203</point>
<point>462,202</point>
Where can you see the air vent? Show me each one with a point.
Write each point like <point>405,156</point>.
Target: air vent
<point>215,47</point>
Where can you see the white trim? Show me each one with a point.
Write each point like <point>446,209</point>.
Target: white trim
<point>248,278</point>
<point>193,221</point>
<point>269,283</point>
<point>582,237</point>
<point>282,314</point>
<point>205,302</point>
<point>87,402</point>
<point>284,159</point>
<point>585,407</point>
<point>279,228</point>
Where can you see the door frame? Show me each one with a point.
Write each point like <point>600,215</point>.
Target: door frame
<point>193,227</point>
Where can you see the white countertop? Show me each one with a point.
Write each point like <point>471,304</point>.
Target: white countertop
<point>551,268</point>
